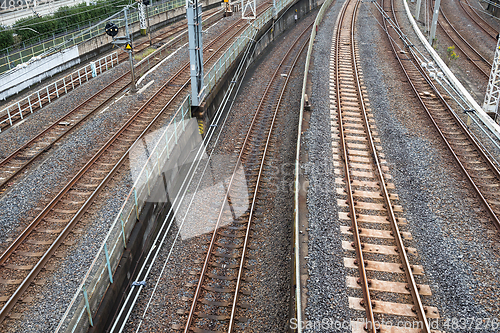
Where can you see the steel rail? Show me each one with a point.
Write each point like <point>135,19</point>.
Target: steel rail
<point>462,40</point>
<point>15,244</point>
<point>412,285</point>
<point>352,212</point>
<point>55,124</point>
<point>469,137</point>
<point>481,23</point>
<point>254,197</point>
<point>47,255</point>
<point>26,146</point>
<point>364,282</point>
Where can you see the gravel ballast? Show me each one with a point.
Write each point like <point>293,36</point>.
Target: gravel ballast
<point>17,207</point>
<point>456,242</point>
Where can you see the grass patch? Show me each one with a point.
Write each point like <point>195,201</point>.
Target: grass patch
<point>144,53</point>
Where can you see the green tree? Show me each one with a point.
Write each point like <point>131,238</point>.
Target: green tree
<point>6,38</point>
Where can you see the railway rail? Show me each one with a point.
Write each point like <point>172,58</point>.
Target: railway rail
<point>12,166</point>
<point>376,222</point>
<point>475,162</point>
<point>215,304</point>
<point>473,55</point>
<point>481,23</point>
<point>70,83</point>
<point>48,230</point>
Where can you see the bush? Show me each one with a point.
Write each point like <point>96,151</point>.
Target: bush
<point>65,18</point>
<point>6,38</point>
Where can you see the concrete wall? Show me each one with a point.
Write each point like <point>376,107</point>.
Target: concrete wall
<point>284,22</point>
<point>37,71</point>
<point>142,237</point>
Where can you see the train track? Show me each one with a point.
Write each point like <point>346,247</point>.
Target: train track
<point>12,166</point>
<point>72,82</point>
<point>215,304</point>
<point>48,230</point>
<point>378,241</point>
<point>481,23</point>
<point>474,161</point>
<point>473,55</point>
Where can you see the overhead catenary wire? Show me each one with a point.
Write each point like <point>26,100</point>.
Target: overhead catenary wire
<point>191,172</point>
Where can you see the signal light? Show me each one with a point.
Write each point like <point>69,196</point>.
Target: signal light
<point>145,2</point>
<point>111,29</point>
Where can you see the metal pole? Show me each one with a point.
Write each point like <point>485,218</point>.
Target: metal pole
<point>133,88</point>
<point>434,21</point>
<point>417,14</point>
<point>193,13</point>
<point>149,29</point>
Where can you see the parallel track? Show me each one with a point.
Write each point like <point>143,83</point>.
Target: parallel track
<point>474,161</point>
<point>58,218</point>
<point>473,55</point>
<point>14,164</point>
<point>481,23</point>
<point>215,305</point>
<point>375,225</point>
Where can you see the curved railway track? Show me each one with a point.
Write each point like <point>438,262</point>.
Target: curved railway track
<point>18,161</point>
<point>215,305</point>
<point>473,55</point>
<point>30,251</point>
<point>480,22</point>
<point>14,164</point>
<point>74,83</point>
<point>474,161</point>
<point>378,241</point>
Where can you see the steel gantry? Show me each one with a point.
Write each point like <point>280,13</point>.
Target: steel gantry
<point>492,96</point>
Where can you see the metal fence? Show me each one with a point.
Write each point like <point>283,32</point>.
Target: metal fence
<point>87,297</point>
<point>11,60</point>
<point>86,300</point>
<point>51,92</point>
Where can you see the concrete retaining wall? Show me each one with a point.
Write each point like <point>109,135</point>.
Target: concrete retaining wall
<point>37,71</point>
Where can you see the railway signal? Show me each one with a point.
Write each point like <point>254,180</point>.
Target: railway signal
<point>126,41</point>
<point>111,29</point>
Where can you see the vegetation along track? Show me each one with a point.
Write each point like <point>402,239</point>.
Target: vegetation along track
<point>215,305</point>
<point>475,162</point>
<point>48,230</point>
<point>481,23</point>
<point>387,278</point>
<point>71,83</point>
<point>473,55</point>
<point>14,164</point>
